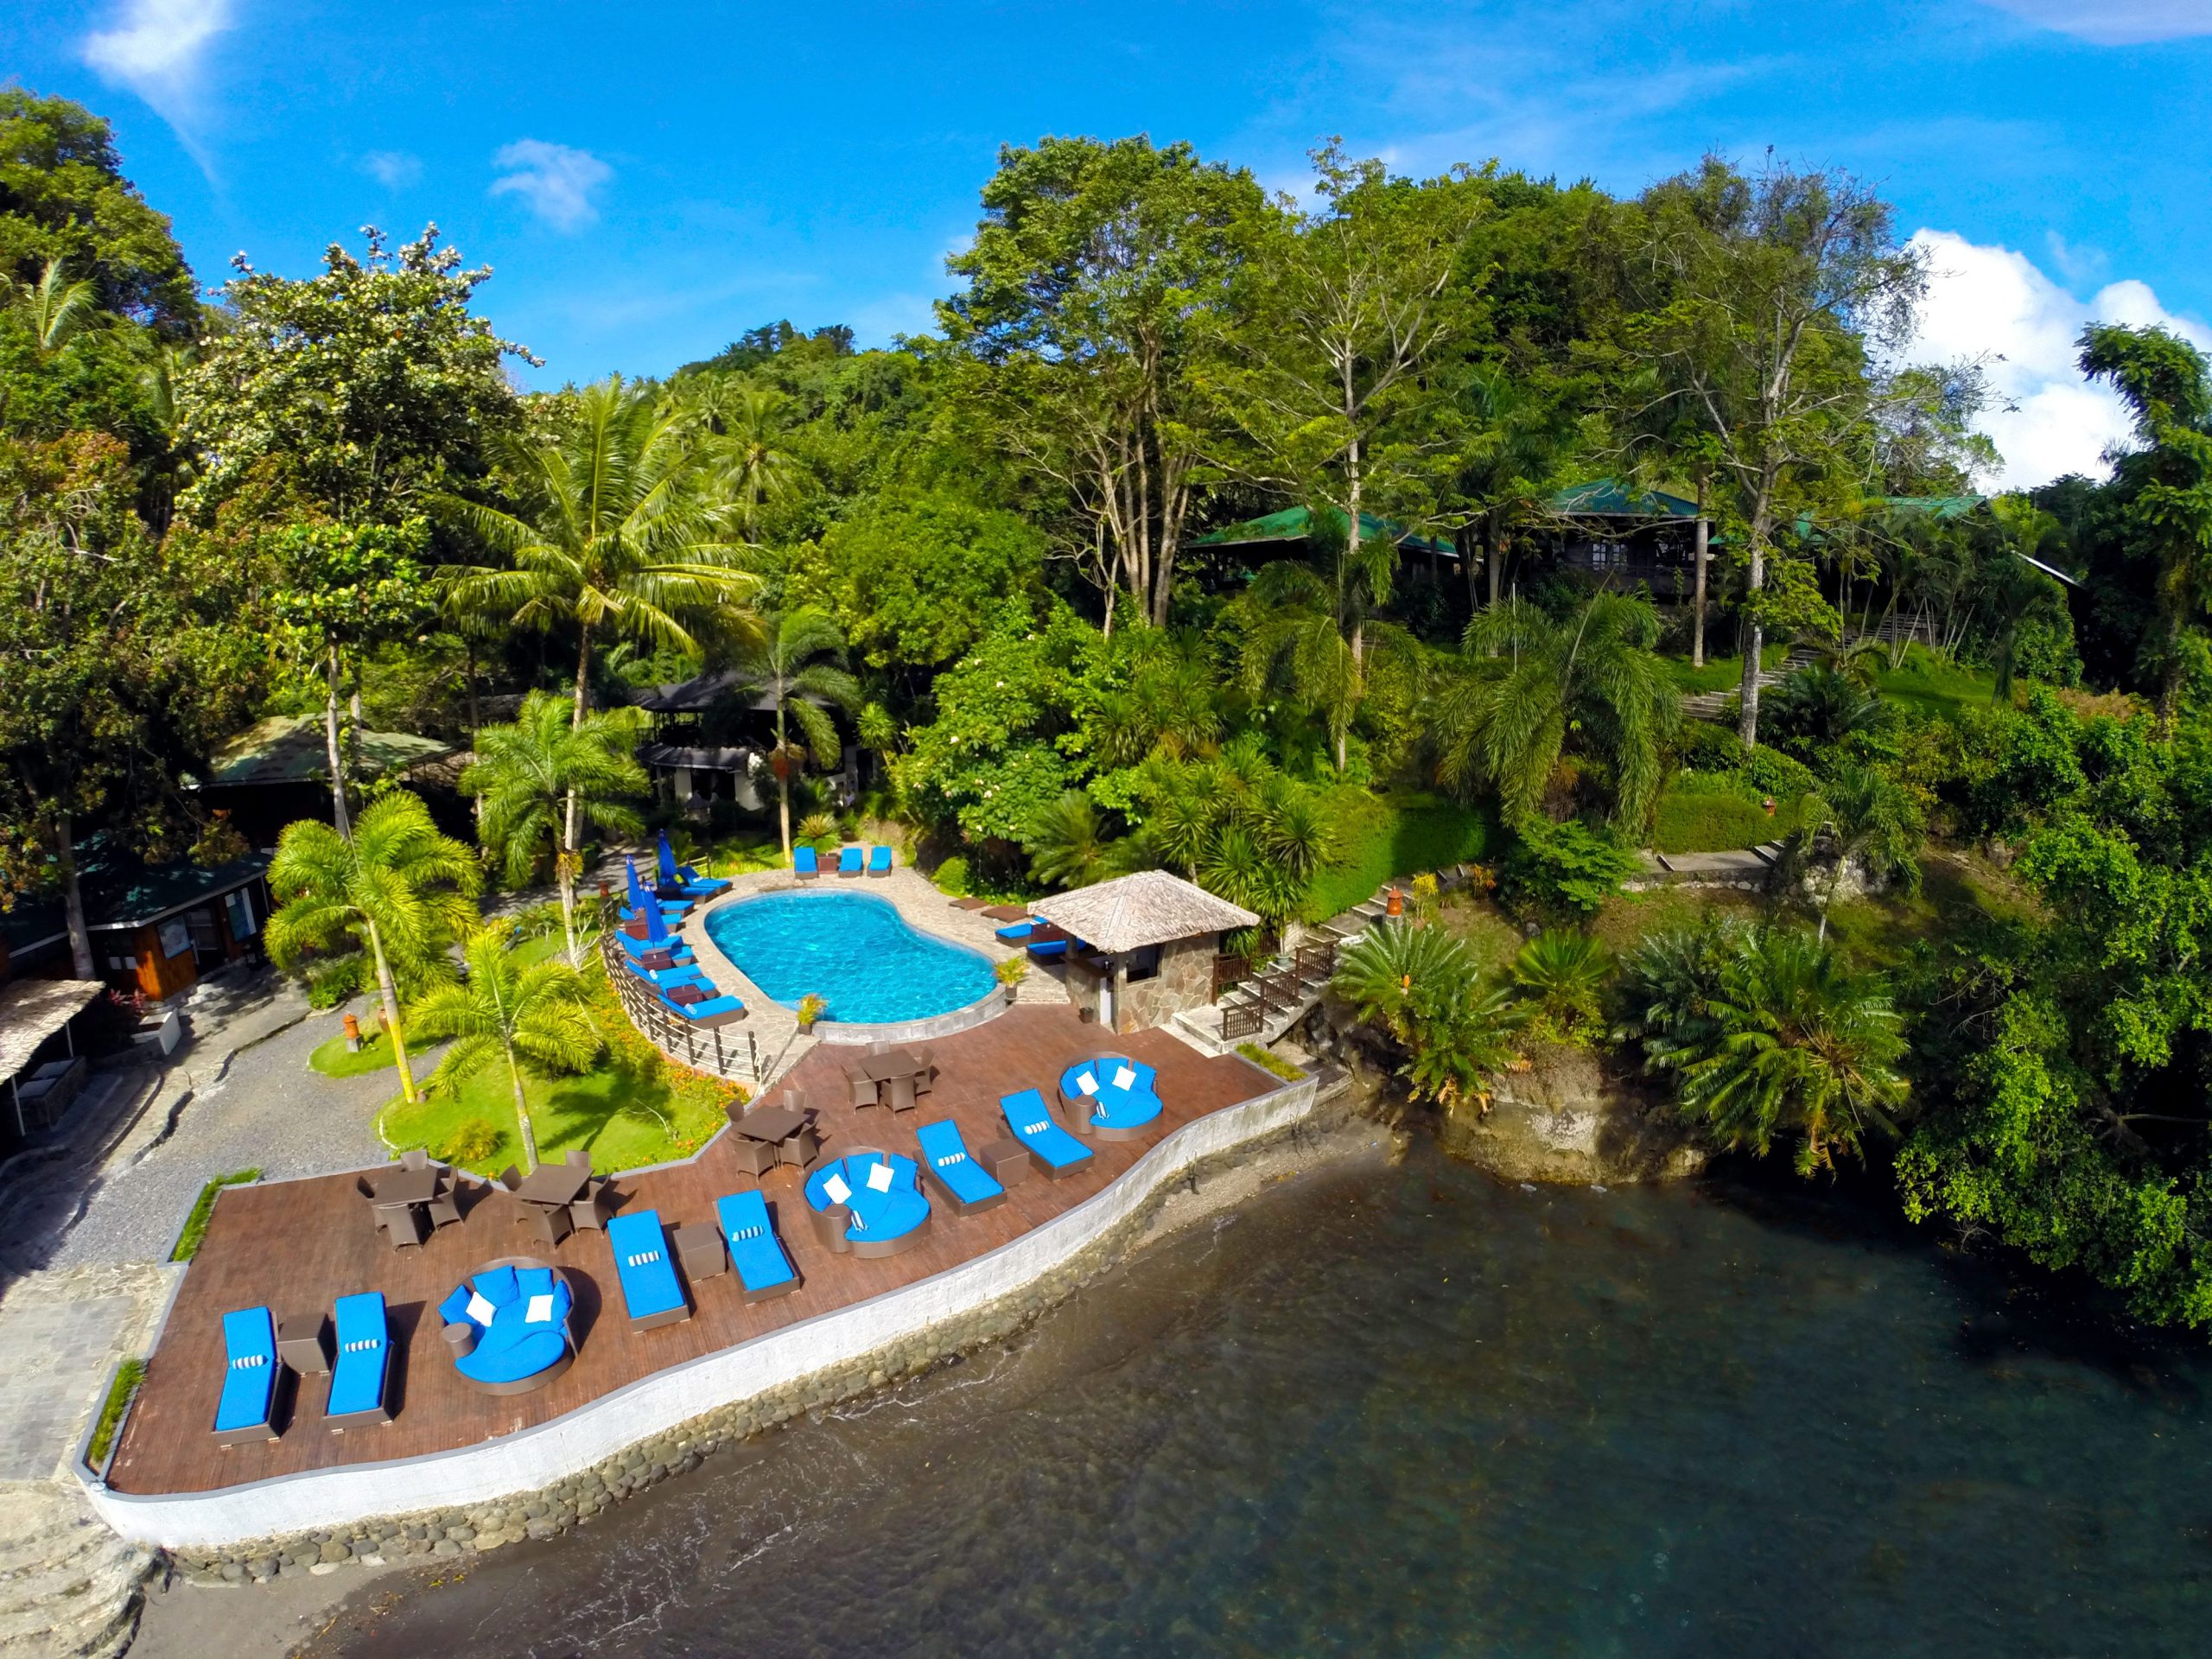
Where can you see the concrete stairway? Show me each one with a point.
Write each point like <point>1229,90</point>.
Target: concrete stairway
<point>1714,705</point>
<point>1283,991</point>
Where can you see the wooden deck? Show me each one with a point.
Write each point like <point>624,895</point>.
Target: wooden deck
<point>297,1246</point>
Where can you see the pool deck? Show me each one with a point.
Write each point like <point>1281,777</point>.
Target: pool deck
<point>297,1245</point>
<point>774,1028</point>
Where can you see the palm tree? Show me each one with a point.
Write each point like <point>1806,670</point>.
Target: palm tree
<point>55,309</point>
<point>1320,635</point>
<point>526,774</point>
<point>1797,1045</point>
<point>533,1017</point>
<point>398,889</point>
<point>1066,844</point>
<point>1865,815</point>
<point>794,659</point>
<point>1528,683</point>
<point>745,424</point>
<point>1562,975</point>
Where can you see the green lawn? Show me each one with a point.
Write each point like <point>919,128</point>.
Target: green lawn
<point>1720,673</point>
<point>331,1059</point>
<point>1717,815</point>
<point>1926,686</point>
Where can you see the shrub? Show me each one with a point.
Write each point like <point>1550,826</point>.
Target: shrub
<point>1268,1060</point>
<point>336,981</point>
<point>1772,772</point>
<point>128,1377</point>
<point>818,830</point>
<point>1702,813</point>
<point>472,1141</point>
<point>951,876</point>
<point>1707,745</point>
<point>203,1207</point>
<point>1563,869</point>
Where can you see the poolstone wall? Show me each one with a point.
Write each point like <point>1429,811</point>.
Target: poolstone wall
<point>473,1529</point>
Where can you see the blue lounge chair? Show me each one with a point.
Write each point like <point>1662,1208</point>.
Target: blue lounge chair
<point>849,861</point>
<point>360,1377</point>
<point>1031,1119</point>
<point>1043,950</point>
<point>805,864</point>
<point>1015,932</point>
<point>518,1318</point>
<point>641,902</point>
<point>714,1011</point>
<point>965,1184</point>
<point>684,973</point>
<point>688,882</point>
<point>650,1291</point>
<point>247,1410</point>
<point>879,861</point>
<point>763,1267</point>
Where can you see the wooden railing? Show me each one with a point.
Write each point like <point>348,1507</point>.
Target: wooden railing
<point>1282,987</point>
<point>726,1053</point>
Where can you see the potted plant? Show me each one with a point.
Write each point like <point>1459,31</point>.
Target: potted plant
<point>810,1009</point>
<point>1011,972</point>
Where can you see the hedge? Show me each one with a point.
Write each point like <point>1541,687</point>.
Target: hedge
<point>195,1224</point>
<point>1381,839</point>
<point>1717,816</point>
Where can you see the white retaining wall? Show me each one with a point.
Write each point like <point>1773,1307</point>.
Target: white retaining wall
<point>535,1457</point>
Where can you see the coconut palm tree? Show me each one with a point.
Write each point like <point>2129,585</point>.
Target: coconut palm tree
<point>1527,684</point>
<point>55,309</point>
<point>794,659</point>
<point>399,890</point>
<point>533,1017</point>
<point>1791,1043</point>
<point>525,777</point>
<point>745,426</point>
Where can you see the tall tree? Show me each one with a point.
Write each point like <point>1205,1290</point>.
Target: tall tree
<point>1771,291</point>
<point>1097,277</point>
<point>795,660</point>
<point>533,1019</point>
<point>525,774</point>
<point>397,889</point>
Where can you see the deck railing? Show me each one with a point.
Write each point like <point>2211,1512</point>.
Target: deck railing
<point>728,1054</point>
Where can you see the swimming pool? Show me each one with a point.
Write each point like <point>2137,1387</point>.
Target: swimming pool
<point>853,951</point>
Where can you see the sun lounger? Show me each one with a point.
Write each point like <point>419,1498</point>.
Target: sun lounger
<point>668,941</point>
<point>684,973</point>
<point>879,861</point>
<point>849,861</point>
<point>1015,932</point>
<point>247,1410</point>
<point>360,1377</point>
<point>763,1267</point>
<point>728,1010</point>
<point>1060,1152</point>
<point>510,1327</point>
<point>806,864</point>
<point>652,1292</point>
<point>963,1183</point>
<point>686,881</point>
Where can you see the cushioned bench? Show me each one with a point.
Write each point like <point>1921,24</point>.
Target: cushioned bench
<point>652,1292</point>
<point>247,1410</point>
<point>763,1267</point>
<point>360,1377</point>
<point>966,1185</point>
<point>1031,1119</point>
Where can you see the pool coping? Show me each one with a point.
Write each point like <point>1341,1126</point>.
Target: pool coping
<point>985,1008</point>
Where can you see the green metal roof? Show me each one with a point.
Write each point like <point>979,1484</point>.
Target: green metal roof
<point>1294,523</point>
<point>291,749</point>
<point>146,893</point>
<point>1935,506</point>
<point>1608,497</point>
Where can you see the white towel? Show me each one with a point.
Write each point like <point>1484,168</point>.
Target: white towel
<point>1085,1082</point>
<point>836,1190</point>
<point>1124,1078</point>
<point>879,1177</point>
<point>539,1310</point>
<point>479,1310</point>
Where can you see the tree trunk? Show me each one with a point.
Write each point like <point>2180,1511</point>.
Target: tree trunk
<point>72,897</point>
<point>1704,551</point>
<point>522,1115</point>
<point>1747,727</point>
<point>389,990</point>
<point>572,818</point>
<point>784,768</point>
<point>339,816</point>
<point>475,723</point>
<point>564,874</point>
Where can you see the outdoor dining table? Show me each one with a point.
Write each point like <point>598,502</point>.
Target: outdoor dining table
<point>396,1187</point>
<point>774,1124</point>
<point>555,1186</point>
<point>891,1063</point>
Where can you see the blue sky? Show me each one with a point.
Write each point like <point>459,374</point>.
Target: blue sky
<point>650,181</point>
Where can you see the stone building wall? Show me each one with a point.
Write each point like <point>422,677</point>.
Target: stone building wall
<point>1185,981</point>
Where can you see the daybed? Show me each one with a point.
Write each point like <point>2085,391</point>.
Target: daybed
<point>1113,1097</point>
<point>868,1202</point>
<point>508,1326</point>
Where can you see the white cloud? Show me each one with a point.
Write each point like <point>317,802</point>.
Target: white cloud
<point>156,46</point>
<point>2115,23</point>
<point>556,181</point>
<point>1996,305</point>
<point>395,169</point>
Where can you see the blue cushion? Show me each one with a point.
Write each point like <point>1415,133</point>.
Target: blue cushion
<point>527,1355</point>
<point>641,1264</point>
<point>805,862</point>
<point>1014,933</point>
<point>250,1369</point>
<point>455,1309</point>
<point>706,1010</point>
<point>849,861</point>
<point>533,1281</point>
<point>879,858</point>
<point>497,1286</point>
<point>357,1376</point>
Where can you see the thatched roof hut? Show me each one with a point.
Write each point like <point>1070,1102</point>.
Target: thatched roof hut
<point>1131,912</point>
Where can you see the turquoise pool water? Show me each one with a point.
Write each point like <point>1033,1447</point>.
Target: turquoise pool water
<point>853,951</point>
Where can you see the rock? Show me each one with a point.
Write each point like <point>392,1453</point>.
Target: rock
<point>491,1539</point>
<point>231,1572</point>
<point>1570,1118</point>
<point>334,1552</point>
<point>445,1546</point>
<point>261,1568</point>
<point>461,1534</point>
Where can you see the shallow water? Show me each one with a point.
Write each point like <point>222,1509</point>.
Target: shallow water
<point>853,951</point>
<point>1414,1411</point>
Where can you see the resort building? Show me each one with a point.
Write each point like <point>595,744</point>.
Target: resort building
<point>1146,946</point>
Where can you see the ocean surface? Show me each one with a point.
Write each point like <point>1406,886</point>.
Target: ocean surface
<point>853,951</point>
<point>1412,1410</point>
